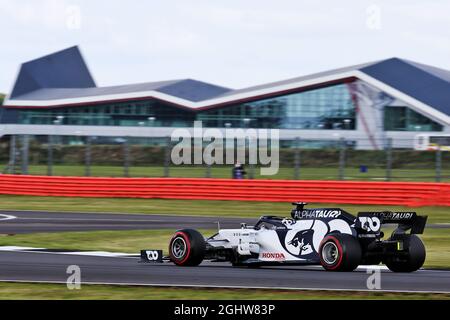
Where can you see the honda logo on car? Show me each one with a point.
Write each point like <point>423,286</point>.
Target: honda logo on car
<point>275,256</point>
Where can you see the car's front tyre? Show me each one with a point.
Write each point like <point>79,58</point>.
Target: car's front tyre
<point>187,248</point>
<point>340,252</point>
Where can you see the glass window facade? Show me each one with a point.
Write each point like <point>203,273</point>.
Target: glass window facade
<point>141,113</point>
<point>325,108</point>
<point>400,118</point>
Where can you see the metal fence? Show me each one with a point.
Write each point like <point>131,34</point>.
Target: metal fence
<point>144,157</point>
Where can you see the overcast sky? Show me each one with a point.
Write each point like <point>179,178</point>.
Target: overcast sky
<point>230,43</point>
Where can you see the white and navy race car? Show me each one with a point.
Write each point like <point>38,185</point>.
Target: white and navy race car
<point>330,237</point>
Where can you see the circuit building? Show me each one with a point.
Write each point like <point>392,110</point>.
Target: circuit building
<point>366,104</point>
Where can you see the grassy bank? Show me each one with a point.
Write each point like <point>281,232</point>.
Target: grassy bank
<point>191,207</point>
<point>437,242</point>
<point>33,291</point>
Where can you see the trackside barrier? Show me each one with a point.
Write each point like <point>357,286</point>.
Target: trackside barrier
<point>352,192</point>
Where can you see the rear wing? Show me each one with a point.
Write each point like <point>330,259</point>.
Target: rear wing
<point>405,220</point>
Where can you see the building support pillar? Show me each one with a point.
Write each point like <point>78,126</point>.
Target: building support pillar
<point>438,164</point>
<point>87,158</point>
<point>126,157</point>
<point>50,155</point>
<point>167,157</point>
<point>25,153</point>
<point>342,159</point>
<point>12,155</point>
<point>389,159</point>
<point>297,159</point>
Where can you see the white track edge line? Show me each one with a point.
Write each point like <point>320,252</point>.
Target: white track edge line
<point>6,217</point>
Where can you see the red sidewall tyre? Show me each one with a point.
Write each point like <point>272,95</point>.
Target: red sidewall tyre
<point>187,248</point>
<point>183,260</point>
<point>347,252</point>
<point>338,262</point>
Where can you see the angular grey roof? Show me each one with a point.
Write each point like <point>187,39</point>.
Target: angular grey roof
<point>65,75</point>
<point>70,93</point>
<point>55,79</point>
<point>193,90</point>
<point>188,89</point>
<point>63,69</point>
<point>426,84</point>
<point>302,78</point>
<point>437,72</point>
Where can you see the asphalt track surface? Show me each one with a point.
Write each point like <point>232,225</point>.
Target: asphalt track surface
<point>37,221</point>
<point>52,267</point>
<point>17,222</point>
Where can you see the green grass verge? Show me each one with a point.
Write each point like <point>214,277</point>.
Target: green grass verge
<point>437,242</point>
<point>307,173</point>
<point>34,291</point>
<point>191,207</point>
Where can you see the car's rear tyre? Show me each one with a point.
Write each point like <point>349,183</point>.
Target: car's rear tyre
<point>414,257</point>
<point>187,248</point>
<point>340,252</point>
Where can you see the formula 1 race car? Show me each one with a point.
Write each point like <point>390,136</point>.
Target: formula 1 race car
<point>330,237</point>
